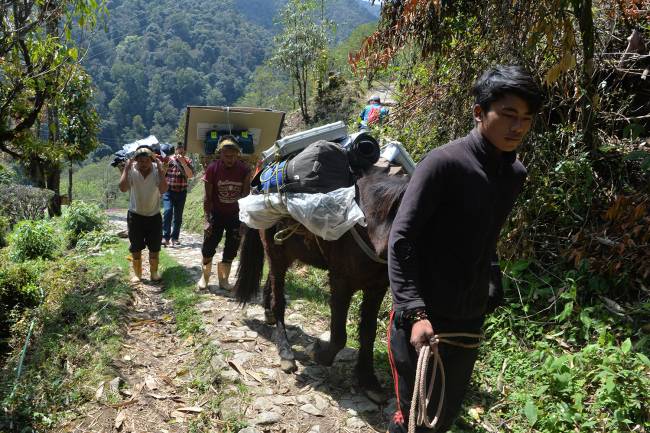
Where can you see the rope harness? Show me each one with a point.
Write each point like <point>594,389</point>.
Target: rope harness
<point>365,248</point>
<point>422,393</point>
<point>282,235</point>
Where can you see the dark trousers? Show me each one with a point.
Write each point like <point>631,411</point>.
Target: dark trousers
<point>212,237</point>
<point>458,363</point>
<point>173,205</point>
<point>144,231</point>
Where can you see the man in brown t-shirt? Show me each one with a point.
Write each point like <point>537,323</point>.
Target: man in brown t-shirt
<point>227,179</point>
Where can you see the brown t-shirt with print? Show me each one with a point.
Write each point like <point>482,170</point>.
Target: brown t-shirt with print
<point>227,186</point>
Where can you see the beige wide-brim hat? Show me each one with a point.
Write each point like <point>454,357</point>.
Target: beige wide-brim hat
<point>227,143</point>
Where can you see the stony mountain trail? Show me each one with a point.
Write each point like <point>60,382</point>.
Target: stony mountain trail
<point>156,367</point>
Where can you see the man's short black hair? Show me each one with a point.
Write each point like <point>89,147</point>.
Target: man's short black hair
<point>503,79</point>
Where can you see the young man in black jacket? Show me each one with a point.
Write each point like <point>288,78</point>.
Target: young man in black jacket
<point>442,260</point>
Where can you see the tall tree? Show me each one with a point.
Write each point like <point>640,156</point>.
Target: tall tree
<point>302,42</point>
<point>559,44</point>
<point>35,46</point>
<point>38,63</point>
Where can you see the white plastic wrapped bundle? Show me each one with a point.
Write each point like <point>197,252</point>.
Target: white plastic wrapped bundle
<point>261,211</point>
<point>328,216</point>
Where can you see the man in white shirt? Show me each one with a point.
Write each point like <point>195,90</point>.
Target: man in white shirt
<point>146,181</point>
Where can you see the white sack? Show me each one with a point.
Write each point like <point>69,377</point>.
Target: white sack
<point>261,211</point>
<point>326,215</point>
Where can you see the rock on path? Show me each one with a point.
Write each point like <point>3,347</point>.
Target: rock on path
<point>313,399</point>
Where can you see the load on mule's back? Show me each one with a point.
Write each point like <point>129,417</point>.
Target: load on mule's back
<point>354,255</point>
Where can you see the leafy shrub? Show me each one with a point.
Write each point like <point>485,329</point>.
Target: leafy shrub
<point>93,241</point>
<point>33,239</point>
<point>4,229</point>
<point>18,289</point>
<point>5,175</point>
<point>21,202</point>
<point>80,218</point>
<point>599,387</point>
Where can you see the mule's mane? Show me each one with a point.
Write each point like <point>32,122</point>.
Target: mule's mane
<point>380,195</point>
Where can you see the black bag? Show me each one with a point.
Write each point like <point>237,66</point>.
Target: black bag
<point>320,167</point>
<point>363,150</point>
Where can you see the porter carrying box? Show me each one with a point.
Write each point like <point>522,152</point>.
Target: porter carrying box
<point>263,125</point>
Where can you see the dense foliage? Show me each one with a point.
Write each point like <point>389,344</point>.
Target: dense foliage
<point>19,202</point>
<point>579,155</point>
<point>42,85</point>
<point>158,57</point>
<point>569,350</point>
<point>32,240</point>
<point>81,218</point>
<point>83,300</point>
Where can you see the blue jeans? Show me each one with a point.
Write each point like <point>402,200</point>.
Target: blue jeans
<point>173,204</point>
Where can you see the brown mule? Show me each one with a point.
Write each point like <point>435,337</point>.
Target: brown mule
<point>350,269</point>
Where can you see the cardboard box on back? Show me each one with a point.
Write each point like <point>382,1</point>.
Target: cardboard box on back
<point>263,124</point>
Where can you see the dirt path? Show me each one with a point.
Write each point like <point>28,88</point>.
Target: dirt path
<point>156,368</point>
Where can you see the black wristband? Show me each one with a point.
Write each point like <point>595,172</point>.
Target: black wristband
<point>415,315</point>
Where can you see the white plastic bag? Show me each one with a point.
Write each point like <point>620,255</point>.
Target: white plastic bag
<point>262,211</point>
<point>326,215</point>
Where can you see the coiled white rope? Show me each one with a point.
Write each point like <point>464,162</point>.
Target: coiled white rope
<point>422,392</point>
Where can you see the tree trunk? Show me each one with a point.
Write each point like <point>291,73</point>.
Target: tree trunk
<point>70,183</point>
<point>304,94</point>
<point>301,82</point>
<point>54,184</point>
<point>53,168</point>
<point>589,96</point>
<point>36,171</point>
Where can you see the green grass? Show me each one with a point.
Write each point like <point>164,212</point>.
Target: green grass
<point>77,334</point>
<point>312,287</point>
<point>193,215</point>
<point>575,369</point>
<point>96,182</point>
<point>181,290</point>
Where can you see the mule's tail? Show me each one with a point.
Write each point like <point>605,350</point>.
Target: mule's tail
<point>251,264</point>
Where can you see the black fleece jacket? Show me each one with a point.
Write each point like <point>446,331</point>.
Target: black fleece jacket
<point>442,246</point>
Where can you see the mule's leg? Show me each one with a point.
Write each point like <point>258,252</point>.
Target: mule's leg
<point>365,369</point>
<point>340,296</point>
<point>278,305</point>
<point>269,318</point>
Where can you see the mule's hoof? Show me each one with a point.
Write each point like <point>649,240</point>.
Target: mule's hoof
<point>288,365</point>
<point>322,354</point>
<point>269,317</point>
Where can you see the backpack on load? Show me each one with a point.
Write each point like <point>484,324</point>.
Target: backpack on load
<point>374,115</point>
<point>244,139</point>
<point>321,167</point>
<point>272,178</point>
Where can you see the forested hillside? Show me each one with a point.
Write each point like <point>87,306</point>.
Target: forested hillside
<point>157,57</point>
